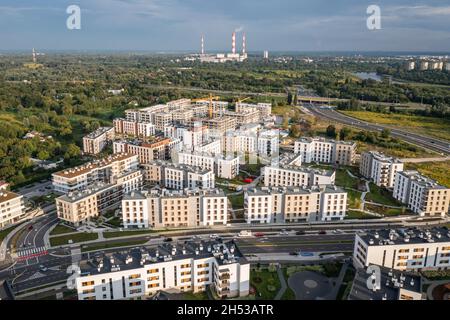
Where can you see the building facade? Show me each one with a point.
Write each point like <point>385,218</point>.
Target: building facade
<point>293,176</point>
<point>326,151</point>
<point>379,168</point>
<point>96,141</point>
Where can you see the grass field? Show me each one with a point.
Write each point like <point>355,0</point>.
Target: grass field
<point>77,237</point>
<point>116,234</point>
<point>61,229</point>
<point>266,284</point>
<point>434,127</point>
<point>439,171</point>
<point>237,201</point>
<point>5,232</point>
<point>381,195</point>
<point>106,245</point>
<point>352,214</point>
<point>383,210</point>
<point>353,199</point>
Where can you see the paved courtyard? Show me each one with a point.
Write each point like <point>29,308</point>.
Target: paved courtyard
<point>309,285</point>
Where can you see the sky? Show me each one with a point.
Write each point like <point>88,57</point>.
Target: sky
<point>274,25</point>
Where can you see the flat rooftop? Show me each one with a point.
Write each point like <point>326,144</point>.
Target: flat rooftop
<point>166,193</point>
<point>405,236</point>
<point>89,166</point>
<point>390,284</point>
<point>225,252</point>
<point>97,133</point>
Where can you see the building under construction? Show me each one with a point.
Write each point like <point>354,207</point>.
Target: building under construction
<point>224,57</point>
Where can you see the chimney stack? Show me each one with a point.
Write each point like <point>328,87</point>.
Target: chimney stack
<point>233,43</point>
<point>203,46</point>
<point>243,43</point>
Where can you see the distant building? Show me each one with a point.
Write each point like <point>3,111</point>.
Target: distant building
<point>226,167</point>
<point>80,206</point>
<point>424,65</point>
<point>326,151</point>
<point>270,205</point>
<point>158,149</point>
<point>294,176</point>
<point>410,65</point>
<point>421,194</point>
<point>105,170</point>
<point>133,128</point>
<point>174,208</point>
<point>379,168</point>
<point>266,54</point>
<point>96,141</point>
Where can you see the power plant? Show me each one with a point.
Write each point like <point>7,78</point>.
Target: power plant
<point>222,57</point>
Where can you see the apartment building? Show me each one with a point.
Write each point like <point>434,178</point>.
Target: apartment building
<point>133,129</point>
<point>182,117</point>
<point>104,170</point>
<point>177,176</point>
<point>403,249</point>
<point>162,120</point>
<point>226,167</point>
<point>145,114</point>
<point>219,124</point>
<point>12,208</point>
<point>158,149</point>
<point>242,118</point>
<point>189,267</point>
<point>379,168</point>
<point>79,206</point>
<point>294,176</point>
<point>96,141</point>
<point>268,143</point>
<point>291,204</point>
<point>191,136</point>
<point>239,141</point>
<point>421,194</point>
<point>326,151</point>
<point>161,208</point>
<point>211,146</point>
<point>387,285</point>
<point>264,109</point>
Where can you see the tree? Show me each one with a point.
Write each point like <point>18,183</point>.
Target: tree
<point>72,151</point>
<point>385,133</point>
<point>344,133</point>
<point>289,98</point>
<point>43,155</point>
<point>331,131</point>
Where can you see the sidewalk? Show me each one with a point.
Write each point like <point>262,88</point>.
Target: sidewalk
<point>282,282</point>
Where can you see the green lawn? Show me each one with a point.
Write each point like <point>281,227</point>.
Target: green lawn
<point>237,201</point>
<point>106,245</point>
<point>343,179</point>
<point>5,232</point>
<point>266,284</point>
<point>77,237</point>
<point>61,229</point>
<point>352,214</point>
<point>353,198</point>
<point>117,234</point>
<point>439,171</point>
<point>381,195</point>
<point>116,222</point>
<point>434,127</point>
<point>384,210</point>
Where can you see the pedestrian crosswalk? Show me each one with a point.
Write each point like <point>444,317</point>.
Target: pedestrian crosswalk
<point>31,252</point>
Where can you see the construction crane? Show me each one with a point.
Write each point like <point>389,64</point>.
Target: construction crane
<point>210,99</point>
<point>242,100</point>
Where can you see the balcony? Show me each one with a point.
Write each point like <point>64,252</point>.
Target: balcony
<point>225,276</point>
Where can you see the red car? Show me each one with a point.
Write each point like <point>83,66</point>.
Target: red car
<point>248,180</point>
<point>259,234</point>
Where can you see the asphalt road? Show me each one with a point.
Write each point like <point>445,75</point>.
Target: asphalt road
<point>424,141</point>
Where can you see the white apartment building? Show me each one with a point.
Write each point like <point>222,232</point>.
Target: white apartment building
<point>145,114</point>
<point>158,149</point>
<point>191,137</point>
<point>379,168</point>
<point>12,208</point>
<point>145,271</point>
<point>103,170</point>
<point>162,120</point>
<point>268,143</point>
<point>96,141</point>
<point>264,109</point>
<point>226,167</point>
<point>211,146</point>
<point>79,206</point>
<point>293,176</point>
<point>177,176</point>
<point>421,194</point>
<point>326,151</point>
<point>281,204</point>
<point>133,128</point>
<point>171,209</point>
<point>405,249</point>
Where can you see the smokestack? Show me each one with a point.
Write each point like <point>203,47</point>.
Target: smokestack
<point>203,45</point>
<point>34,56</point>
<point>233,43</point>
<point>243,43</point>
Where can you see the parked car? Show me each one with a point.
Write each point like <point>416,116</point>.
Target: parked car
<point>300,233</point>
<point>322,232</point>
<point>43,268</point>
<point>168,239</point>
<point>293,253</point>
